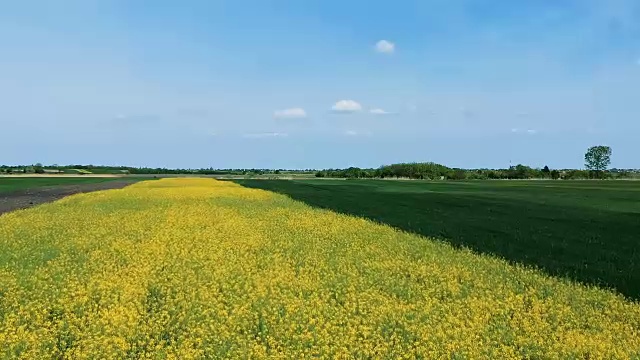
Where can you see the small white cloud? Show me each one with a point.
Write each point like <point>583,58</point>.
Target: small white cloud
<point>522,131</point>
<point>346,106</point>
<point>357,133</point>
<point>379,112</point>
<point>412,107</point>
<point>385,47</point>
<point>264,135</point>
<point>638,61</point>
<point>120,116</point>
<point>292,113</point>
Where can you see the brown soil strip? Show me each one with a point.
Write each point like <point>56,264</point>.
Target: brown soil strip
<point>23,199</point>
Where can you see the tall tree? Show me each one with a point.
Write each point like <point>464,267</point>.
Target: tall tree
<point>545,171</point>
<point>597,158</point>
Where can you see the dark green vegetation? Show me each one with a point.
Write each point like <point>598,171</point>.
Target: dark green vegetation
<point>10,184</point>
<point>433,171</point>
<point>598,158</point>
<point>586,230</point>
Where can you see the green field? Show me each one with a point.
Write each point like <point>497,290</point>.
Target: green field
<point>586,230</point>
<point>10,184</point>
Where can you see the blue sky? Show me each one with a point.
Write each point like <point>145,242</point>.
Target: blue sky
<point>314,84</point>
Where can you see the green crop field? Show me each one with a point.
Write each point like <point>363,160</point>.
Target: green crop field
<point>586,230</point>
<point>10,184</point>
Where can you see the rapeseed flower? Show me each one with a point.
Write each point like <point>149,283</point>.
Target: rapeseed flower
<point>198,268</point>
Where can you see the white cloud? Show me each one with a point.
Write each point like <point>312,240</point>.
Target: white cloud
<point>638,61</point>
<point>292,113</point>
<point>385,47</point>
<point>522,131</point>
<point>121,116</point>
<point>357,133</point>
<point>264,135</point>
<point>346,106</point>
<point>379,112</point>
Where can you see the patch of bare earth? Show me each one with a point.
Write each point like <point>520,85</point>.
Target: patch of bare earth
<point>23,199</point>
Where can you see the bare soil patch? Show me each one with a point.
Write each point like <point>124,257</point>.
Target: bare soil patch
<point>18,175</point>
<point>23,199</point>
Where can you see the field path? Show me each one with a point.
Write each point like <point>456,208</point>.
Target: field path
<point>23,199</point>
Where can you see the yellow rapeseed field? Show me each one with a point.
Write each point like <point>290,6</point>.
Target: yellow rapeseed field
<point>198,268</point>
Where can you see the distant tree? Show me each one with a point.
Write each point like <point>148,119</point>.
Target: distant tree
<point>384,171</point>
<point>493,174</point>
<point>366,173</point>
<point>353,173</point>
<point>597,158</point>
<point>457,174</point>
<point>575,174</point>
<point>620,173</point>
<point>555,174</point>
<point>320,174</point>
<point>545,171</point>
<point>519,172</point>
<point>38,169</point>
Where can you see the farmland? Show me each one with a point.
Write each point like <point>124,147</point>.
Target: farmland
<point>21,192</point>
<point>199,268</point>
<point>16,183</point>
<point>585,230</point>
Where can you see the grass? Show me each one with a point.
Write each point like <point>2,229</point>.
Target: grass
<point>585,230</point>
<point>10,184</point>
<point>199,268</point>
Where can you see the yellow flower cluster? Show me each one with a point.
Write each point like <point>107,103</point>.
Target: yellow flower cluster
<point>198,268</point>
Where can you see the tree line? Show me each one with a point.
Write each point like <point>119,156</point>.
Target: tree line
<point>432,171</point>
<point>424,171</point>
<point>597,160</point>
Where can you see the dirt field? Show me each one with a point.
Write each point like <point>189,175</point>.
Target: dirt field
<point>22,199</point>
<point>60,176</point>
